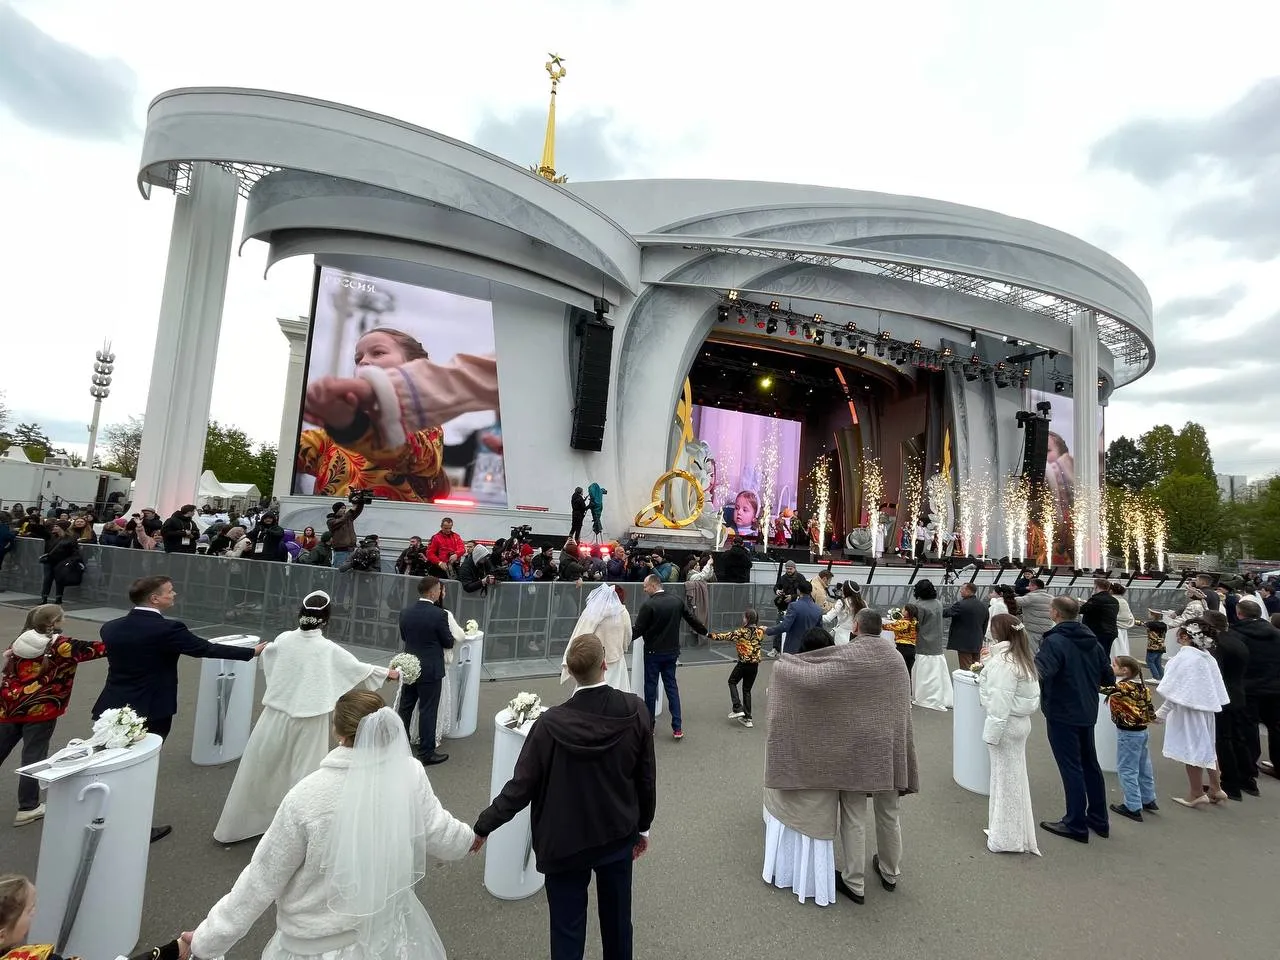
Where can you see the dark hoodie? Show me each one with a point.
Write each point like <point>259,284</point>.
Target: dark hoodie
<point>588,770</point>
<point>1262,676</point>
<point>1072,666</point>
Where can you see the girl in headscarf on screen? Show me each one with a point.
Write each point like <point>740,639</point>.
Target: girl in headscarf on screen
<point>382,427</point>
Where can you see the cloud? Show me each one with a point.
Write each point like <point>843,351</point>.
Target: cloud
<point>53,86</point>
<point>1196,388</point>
<point>1243,139</point>
<point>1209,307</point>
<point>1248,223</point>
<point>588,145</point>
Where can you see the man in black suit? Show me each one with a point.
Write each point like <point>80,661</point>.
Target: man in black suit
<point>143,648</point>
<point>588,769</point>
<point>424,629</point>
<point>968,617</point>
<point>1099,614</point>
<point>658,622</point>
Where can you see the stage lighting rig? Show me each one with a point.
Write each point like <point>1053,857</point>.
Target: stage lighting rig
<point>1059,387</point>
<point>862,348</point>
<point>774,306</point>
<point>771,327</point>
<point>791,329</point>
<point>837,339</point>
<point>722,313</point>
<point>732,295</point>
<point>819,338</point>
<point>808,332</point>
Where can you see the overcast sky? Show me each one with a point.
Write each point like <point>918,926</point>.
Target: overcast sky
<point>1149,128</point>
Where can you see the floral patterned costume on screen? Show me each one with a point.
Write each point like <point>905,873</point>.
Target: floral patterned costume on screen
<point>342,461</point>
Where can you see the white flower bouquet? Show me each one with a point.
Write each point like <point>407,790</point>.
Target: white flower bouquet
<point>893,613</point>
<point>409,666</point>
<point>118,728</point>
<point>471,629</point>
<point>524,707</point>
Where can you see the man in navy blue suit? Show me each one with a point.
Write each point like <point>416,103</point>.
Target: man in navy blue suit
<point>143,648</point>
<point>424,629</point>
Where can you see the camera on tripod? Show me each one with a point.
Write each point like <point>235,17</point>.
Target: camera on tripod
<point>521,533</point>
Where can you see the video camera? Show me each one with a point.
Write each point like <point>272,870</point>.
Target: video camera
<point>360,498</point>
<point>521,533</point>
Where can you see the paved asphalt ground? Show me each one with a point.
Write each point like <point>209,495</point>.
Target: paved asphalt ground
<point>1200,885</point>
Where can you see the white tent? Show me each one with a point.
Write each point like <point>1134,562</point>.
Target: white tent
<point>223,496</point>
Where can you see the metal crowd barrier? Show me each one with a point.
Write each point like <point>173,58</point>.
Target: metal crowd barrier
<point>526,625</point>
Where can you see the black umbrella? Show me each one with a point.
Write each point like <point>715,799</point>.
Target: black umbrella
<point>92,837</point>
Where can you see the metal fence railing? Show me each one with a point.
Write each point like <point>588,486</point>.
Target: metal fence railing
<point>526,625</point>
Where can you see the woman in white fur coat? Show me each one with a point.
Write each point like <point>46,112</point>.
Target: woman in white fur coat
<point>305,674</point>
<point>344,852</point>
<point>606,617</point>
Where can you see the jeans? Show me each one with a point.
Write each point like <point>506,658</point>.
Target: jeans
<point>664,664</point>
<point>746,672</point>
<point>1133,765</point>
<point>340,557</point>
<point>34,738</point>
<point>567,906</point>
<point>1154,664</point>
<point>1086,791</point>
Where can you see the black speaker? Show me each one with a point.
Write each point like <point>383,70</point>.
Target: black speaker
<point>1035,449</point>
<point>591,391</point>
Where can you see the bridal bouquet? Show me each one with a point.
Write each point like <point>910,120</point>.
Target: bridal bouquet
<point>471,629</point>
<point>524,707</point>
<point>118,728</point>
<point>893,613</point>
<point>409,666</point>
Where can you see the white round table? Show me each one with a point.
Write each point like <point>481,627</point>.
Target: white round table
<point>1104,738</point>
<point>509,869</point>
<point>970,760</point>
<point>224,706</point>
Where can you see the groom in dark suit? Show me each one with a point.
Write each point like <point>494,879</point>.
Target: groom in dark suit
<point>143,648</point>
<point>424,628</point>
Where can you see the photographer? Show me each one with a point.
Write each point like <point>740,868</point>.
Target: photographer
<point>544,565</point>
<point>475,572</point>
<point>445,551</point>
<point>342,526</point>
<point>412,561</point>
<point>268,539</point>
<point>366,557</point>
<point>571,568</point>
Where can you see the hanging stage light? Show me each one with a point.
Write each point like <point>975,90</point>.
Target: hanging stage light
<point>819,338</point>
<point>836,339</point>
<point>791,329</point>
<point>722,313</point>
<point>915,344</point>
<point>946,353</point>
<point>771,327</point>
<point>862,348</point>
<point>733,294</point>
<point>879,348</point>
<point>742,317</point>
<point>774,306</point>
<point>808,332</point>
<point>1059,386</point>
<point>851,327</point>
<point>817,318</point>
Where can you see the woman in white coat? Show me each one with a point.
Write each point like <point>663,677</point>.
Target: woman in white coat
<point>1194,693</point>
<point>305,674</point>
<point>1124,622</point>
<point>342,856</point>
<point>1009,691</point>
<point>607,618</point>
<point>839,619</point>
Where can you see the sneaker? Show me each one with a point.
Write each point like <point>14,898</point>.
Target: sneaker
<point>736,714</point>
<point>746,721</point>
<point>28,816</point>
<point>1122,810</point>
<point>772,654</point>
<point>678,734</point>
<point>1151,807</point>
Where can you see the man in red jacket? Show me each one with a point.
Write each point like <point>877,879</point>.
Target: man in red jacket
<point>588,770</point>
<point>445,551</point>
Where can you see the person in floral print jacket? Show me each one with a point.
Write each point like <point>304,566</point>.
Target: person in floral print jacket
<point>35,688</point>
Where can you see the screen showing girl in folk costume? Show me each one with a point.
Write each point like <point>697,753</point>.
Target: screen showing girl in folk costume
<point>402,394</point>
<point>757,465</point>
<point>1060,464</point>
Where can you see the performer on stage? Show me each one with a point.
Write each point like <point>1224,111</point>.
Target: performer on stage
<point>608,619</point>
<point>344,852</point>
<point>305,674</point>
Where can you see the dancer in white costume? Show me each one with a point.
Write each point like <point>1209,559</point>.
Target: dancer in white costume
<point>1193,693</point>
<point>930,676</point>
<point>606,617</point>
<point>342,856</point>
<point>305,675</point>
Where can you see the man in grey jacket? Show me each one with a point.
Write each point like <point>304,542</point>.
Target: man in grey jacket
<point>1035,612</point>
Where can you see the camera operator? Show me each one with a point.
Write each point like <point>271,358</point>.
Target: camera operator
<point>544,565</point>
<point>342,525</point>
<point>571,568</point>
<point>640,565</point>
<point>412,561</point>
<point>476,570</point>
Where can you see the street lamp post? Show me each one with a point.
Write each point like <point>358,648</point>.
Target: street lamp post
<point>100,389</point>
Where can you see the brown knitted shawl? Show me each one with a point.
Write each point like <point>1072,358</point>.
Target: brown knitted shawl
<point>840,719</point>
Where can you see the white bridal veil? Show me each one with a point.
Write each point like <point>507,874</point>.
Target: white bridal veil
<point>377,849</point>
<point>602,604</point>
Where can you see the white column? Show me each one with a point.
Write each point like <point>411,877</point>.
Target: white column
<point>295,332</point>
<point>1084,447</point>
<point>195,285</point>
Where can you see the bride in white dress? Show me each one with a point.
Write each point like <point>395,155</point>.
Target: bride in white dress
<point>1009,691</point>
<point>305,674</point>
<point>344,852</point>
<point>606,617</point>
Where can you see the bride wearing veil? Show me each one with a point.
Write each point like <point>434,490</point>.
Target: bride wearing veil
<point>608,619</point>
<point>344,852</point>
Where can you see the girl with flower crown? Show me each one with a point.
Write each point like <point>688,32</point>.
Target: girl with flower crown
<point>305,674</point>
<point>1193,693</point>
<point>1009,691</point>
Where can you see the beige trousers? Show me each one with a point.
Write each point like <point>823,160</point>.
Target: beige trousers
<point>853,836</point>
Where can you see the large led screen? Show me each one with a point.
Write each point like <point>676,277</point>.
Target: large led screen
<point>402,395</point>
<point>757,458</point>
<point>1060,464</point>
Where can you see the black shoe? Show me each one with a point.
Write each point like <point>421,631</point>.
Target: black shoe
<point>842,887</point>
<point>890,885</point>
<point>1252,791</point>
<point>1120,808</point>
<point>1058,828</point>
<point>434,759</point>
<point>1103,832</point>
<point>1151,807</point>
<point>159,833</point>
<point>1234,795</point>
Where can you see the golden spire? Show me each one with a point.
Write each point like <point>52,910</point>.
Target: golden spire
<point>547,169</point>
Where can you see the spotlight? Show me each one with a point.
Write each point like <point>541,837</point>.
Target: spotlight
<point>819,338</point>
<point>722,314</point>
<point>742,318</point>
<point>901,359</point>
<point>808,332</point>
<point>836,339</point>
<point>946,353</point>
<point>973,338</point>
<point>1000,365</point>
<point>879,348</point>
<point>886,335</point>
<point>791,329</point>
<point>1101,383</point>
<point>733,295</point>
<point>817,318</point>
<point>766,383</point>
<point>862,348</point>
<point>774,306</point>
<point>1026,372</point>
<point>971,375</point>
<point>1059,387</point>
<point>975,360</point>
<point>771,327</point>
<point>915,344</point>
<point>851,327</point>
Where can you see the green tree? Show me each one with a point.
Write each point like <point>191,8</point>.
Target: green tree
<point>1157,446</point>
<point>1191,454</point>
<point>122,443</point>
<point>33,441</point>
<point>234,458</point>
<point>1261,528</point>
<point>4,417</point>
<point>264,459</point>
<point>1193,509</point>
<point>1127,466</point>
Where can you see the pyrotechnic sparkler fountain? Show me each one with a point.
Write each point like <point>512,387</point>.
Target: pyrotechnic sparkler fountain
<point>1017,514</point>
<point>872,497</point>
<point>984,502</point>
<point>967,514</point>
<point>768,468</point>
<point>820,477</point>
<point>1048,505</point>
<point>913,494</point>
<point>939,489</point>
<point>1079,524</point>
<point>1159,525</point>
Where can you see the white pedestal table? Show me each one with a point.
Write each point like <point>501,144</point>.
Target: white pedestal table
<point>970,760</point>
<point>509,870</point>
<point>224,706</point>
